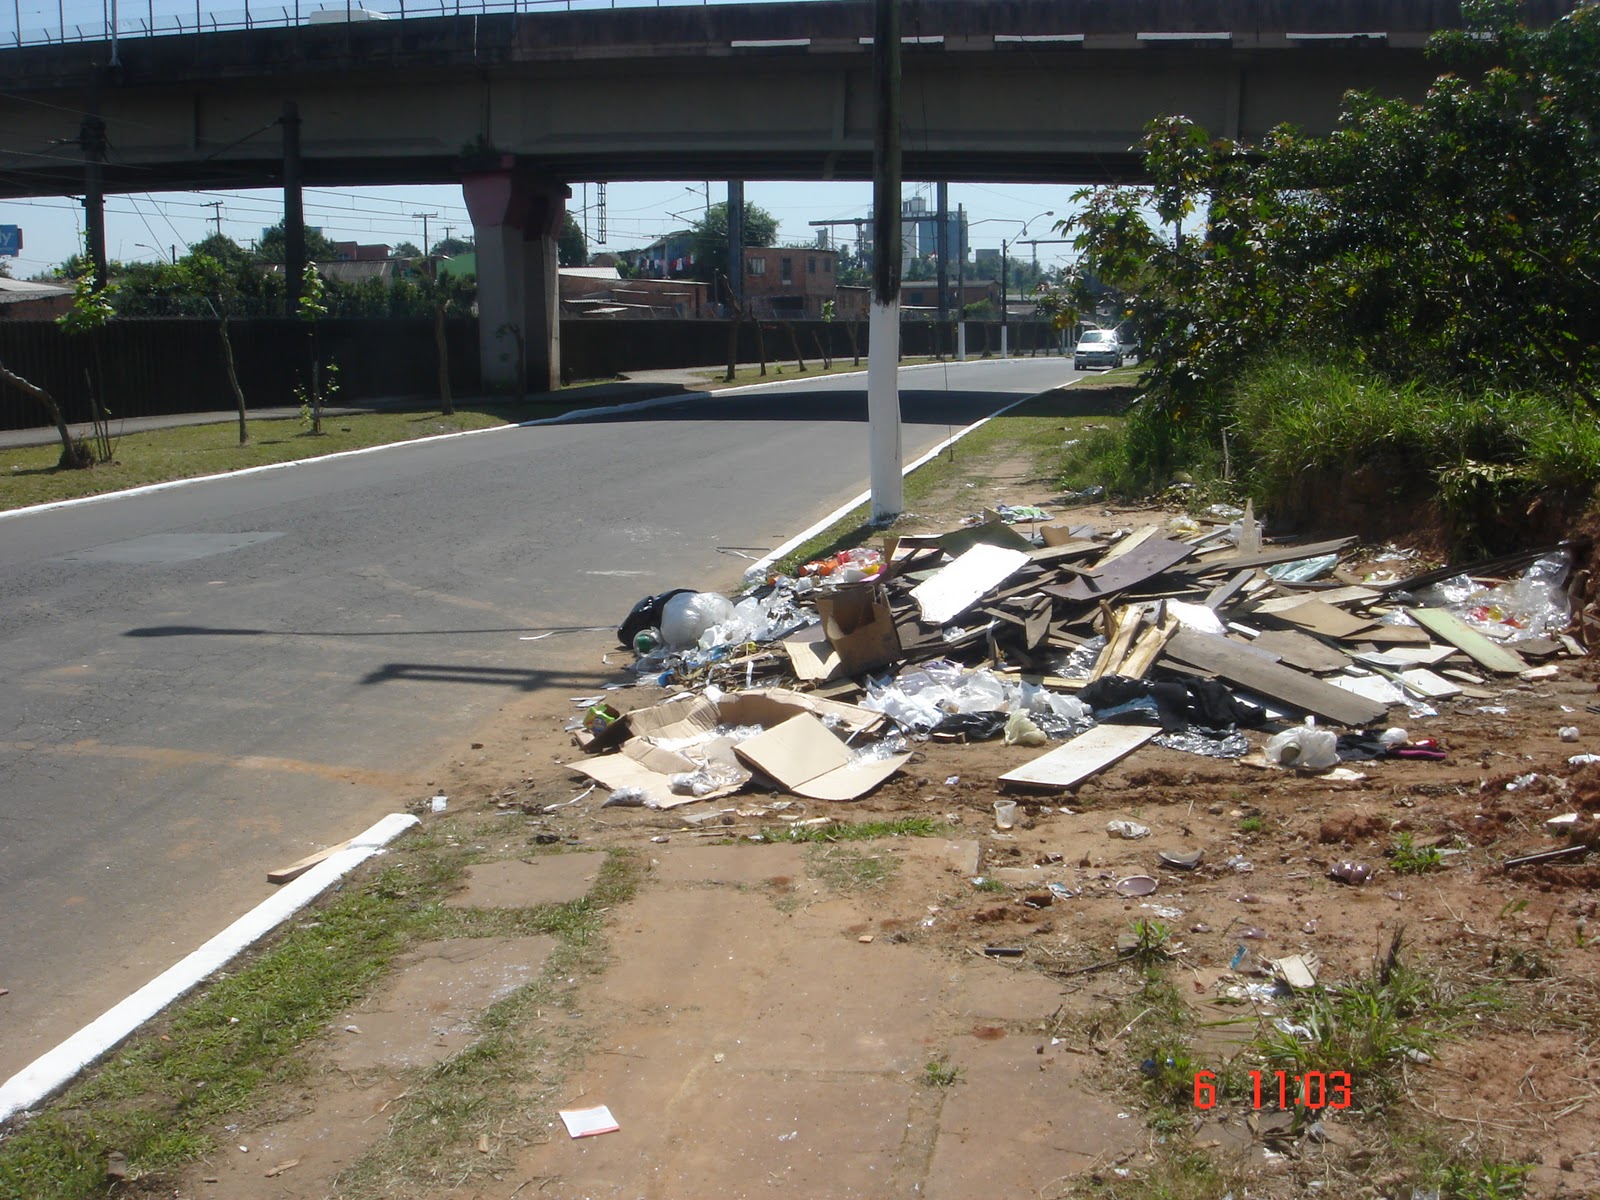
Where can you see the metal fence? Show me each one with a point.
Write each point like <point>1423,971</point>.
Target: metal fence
<point>78,22</point>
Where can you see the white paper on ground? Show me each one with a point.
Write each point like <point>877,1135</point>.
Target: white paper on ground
<point>586,1122</point>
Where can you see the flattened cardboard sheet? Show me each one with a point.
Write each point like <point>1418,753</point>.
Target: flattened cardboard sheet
<point>806,758</point>
<point>1081,757</point>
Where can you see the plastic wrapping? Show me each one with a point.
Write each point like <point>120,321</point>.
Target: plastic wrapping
<point>688,615</point>
<point>1303,570</point>
<point>1305,747</point>
<point>702,782</point>
<point>1021,731</point>
<point>1196,741</point>
<point>1081,661</point>
<point>1532,606</point>
<point>881,750</point>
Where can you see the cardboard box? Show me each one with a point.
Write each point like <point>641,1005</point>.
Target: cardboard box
<point>858,625</point>
<point>678,734</point>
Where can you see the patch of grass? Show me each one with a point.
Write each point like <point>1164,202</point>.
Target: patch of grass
<point>987,884</point>
<point>1184,1175</point>
<point>1405,858</point>
<point>857,831</point>
<point>940,1073</point>
<point>28,475</point>
<point>1483,1179</point>
<point>158,1098</point>
<point>1251,825</point>
<point>844,870</point>
<point>1364,1031</point>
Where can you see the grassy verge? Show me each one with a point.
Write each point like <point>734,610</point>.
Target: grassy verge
<point>1356,1040</point>
<point>158,1099</point>
<point>716,377</point>
<point>28,475</point>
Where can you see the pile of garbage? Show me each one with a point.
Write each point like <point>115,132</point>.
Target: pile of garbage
<point>819,682</point>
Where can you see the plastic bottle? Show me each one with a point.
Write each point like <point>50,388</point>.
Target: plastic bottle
<point>646,640</point>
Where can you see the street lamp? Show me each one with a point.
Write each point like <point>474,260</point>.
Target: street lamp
<point>1004,289</point>
<point>156,250</point>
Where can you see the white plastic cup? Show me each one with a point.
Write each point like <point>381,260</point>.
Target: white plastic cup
<point>1005,814</point>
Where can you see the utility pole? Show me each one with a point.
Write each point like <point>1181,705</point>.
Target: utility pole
<point>735,245</point>
<point>92,137</point>
<point>216,213</point>
<point>942,241</point>
<point>294,217</point>
<point>883,329</point>
<point>600,213</point>
<point>424,217</point>
<point>961,283</point>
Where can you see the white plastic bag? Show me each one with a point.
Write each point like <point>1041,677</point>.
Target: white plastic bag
<point>689,614</point>
<point>1305,747</point>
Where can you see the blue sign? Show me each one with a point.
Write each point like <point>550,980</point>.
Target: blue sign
<point>10,241</point>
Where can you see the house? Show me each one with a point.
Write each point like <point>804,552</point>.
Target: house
<point>923,294</point>
<point>601,292</point>
<point>354,252</point>
<point>23,300</point>
<point>667,257</point>
<point>789,281</point>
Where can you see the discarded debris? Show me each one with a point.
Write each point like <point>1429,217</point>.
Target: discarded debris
<point>587,1122</point>
<point>1352,873</point>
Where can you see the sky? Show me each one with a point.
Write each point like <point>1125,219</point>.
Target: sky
<point>141,227</point>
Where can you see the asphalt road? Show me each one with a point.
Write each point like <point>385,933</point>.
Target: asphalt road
<point>206,682</point>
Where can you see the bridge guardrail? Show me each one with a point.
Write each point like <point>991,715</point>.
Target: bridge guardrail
<point>168,19</point>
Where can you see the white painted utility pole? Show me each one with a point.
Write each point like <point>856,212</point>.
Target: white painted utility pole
<point>883,326</point>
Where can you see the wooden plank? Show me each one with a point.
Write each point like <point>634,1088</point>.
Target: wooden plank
<point>1314,616</point>
<point>1148,648</point>
<point>1268,558</point>
<point>1130,543</point>
<point>1303,651</point>
<point>1148,560</point>
<point>1473,644</point>
<point>1232,663</point>
<point>1249,530</point>
<point>1224,592</point>
<point>1342,595</point>
<point>1395,635</point>
<point>296,869</point>
<point>1081,757</point>
<point>1406,656</point>
<point>1434,687</point>
<point>956,588</point>
<point>1047,555</point>
<point>1123,625</point>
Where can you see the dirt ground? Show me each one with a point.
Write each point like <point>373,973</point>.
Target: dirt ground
<point>776,1019</point>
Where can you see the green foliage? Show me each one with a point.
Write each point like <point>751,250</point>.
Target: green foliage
<point>941,1074</point>
<point>273,246</point>
<point>1361,240</point>
<point>1406,858</point>
<point>571,248</point>
<point>711,236</point>
<point>91,306</point>
<point>1484,1179</point>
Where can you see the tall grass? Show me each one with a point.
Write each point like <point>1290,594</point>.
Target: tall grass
<point>1292,424</point>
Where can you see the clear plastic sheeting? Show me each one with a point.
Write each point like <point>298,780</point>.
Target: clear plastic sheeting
<point>1533,606</point>
<point>1197,741</point>
<point>709,778</point>
<point>1304,570</point>
<point>1305,747</point>
<point>1080,662</point>
<point>920,697</point>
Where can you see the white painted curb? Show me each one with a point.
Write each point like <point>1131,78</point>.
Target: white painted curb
<point>56,1068</point>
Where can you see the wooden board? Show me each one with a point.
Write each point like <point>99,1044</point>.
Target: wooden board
<point>1081,757</point>
<point>1302,651</point>
<point>1406,656</point>
<point>1395,635</point>
<point>1342,595</point>
<point>1130,543</point>
<point>1144,562</point>
<point>1222,658</point>
<point>951,591</point>
<point>1050,555</point>
<point>1434,687</point>
<point>1314,616</point>
<point>296,869</point>
<point>1473,644</point>
<point>1224,592</point>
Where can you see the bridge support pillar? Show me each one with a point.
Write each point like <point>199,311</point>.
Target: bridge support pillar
<point>516,219</point>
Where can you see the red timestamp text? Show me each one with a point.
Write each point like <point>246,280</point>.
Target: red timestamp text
<point>1284,1090</point>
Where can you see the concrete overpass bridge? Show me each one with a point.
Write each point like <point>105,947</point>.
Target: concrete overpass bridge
<point>518,106</point>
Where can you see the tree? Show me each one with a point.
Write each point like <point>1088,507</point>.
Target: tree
<point>405,250</point>
<point>273,247</point>
<point>710,234</point>
<point>5,268</point>
<point>1366,238</point>
<point>450,247</point>
<point>221,249</point>
<point>571,249</point>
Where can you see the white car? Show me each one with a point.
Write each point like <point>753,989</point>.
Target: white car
<point>1097,348</point>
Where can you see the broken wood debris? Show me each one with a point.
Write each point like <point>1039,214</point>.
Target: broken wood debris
<point>1071,611</point>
